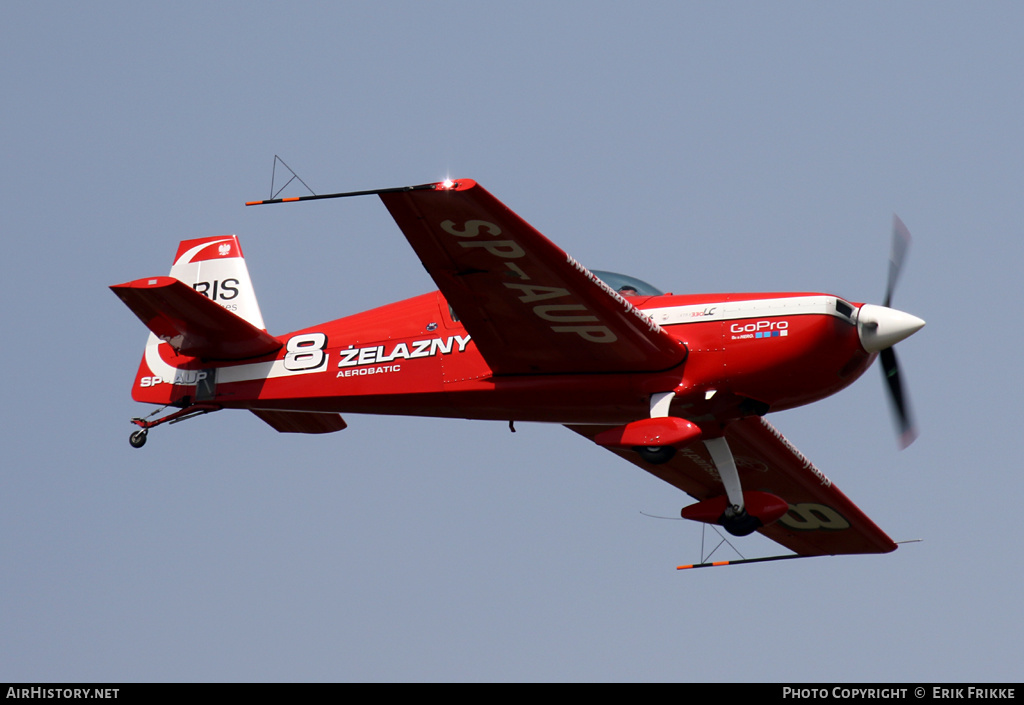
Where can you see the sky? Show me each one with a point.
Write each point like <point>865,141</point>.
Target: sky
<point>703,147</point>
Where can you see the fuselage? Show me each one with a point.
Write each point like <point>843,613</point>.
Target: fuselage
<point>747,354</point>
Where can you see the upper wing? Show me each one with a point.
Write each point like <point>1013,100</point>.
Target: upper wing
<point>820,521</point>
<point>529,307</point>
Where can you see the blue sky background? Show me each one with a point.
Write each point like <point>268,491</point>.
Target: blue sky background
<point>704,147</point>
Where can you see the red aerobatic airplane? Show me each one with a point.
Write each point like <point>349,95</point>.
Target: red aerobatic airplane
<point>520,331</point>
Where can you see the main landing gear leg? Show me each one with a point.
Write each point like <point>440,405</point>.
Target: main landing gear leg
<point>658,455</point>
<point>736,520</point>
<point>660,403</point>
<point>138,438</point>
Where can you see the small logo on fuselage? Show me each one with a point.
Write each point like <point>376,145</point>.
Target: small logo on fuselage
<point>759,329</point>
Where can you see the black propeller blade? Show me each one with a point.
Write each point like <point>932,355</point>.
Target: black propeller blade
<point>900,402</point>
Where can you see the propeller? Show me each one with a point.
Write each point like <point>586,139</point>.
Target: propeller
<point>890,368</point>
<point>881,327</point>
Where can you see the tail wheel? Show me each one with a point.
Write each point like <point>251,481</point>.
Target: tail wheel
<point>138,438</point>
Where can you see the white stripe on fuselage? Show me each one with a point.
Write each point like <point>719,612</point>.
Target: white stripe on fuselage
<point>235,373</point>
<point>752,308</point>
<point>665,316</point>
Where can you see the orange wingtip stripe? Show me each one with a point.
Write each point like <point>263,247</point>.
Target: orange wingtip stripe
<point>701,565</point>
<point>253,203</point>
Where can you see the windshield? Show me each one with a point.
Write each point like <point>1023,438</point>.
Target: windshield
<point>627,286</point>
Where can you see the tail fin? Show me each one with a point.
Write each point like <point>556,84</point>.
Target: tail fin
<point>207,309</point>
<point>205,312</point>
<point>215,267</point>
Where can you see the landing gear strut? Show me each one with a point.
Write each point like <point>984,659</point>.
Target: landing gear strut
<point>736,520</point>
<point>138,438</point>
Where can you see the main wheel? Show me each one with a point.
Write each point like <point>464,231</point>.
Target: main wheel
<point>742,524</point>
<point>138,438</point>
<point>656,455</point>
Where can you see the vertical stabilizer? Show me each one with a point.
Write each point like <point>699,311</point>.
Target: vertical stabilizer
<point>215,267</point>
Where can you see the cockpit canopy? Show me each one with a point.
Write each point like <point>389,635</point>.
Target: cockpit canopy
<point>618,282</point>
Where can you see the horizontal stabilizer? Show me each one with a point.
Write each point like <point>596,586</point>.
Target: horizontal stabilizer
<point>301,421</point>
<point>191,323</point>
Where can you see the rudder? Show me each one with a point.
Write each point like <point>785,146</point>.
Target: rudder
<point>215,267</point>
